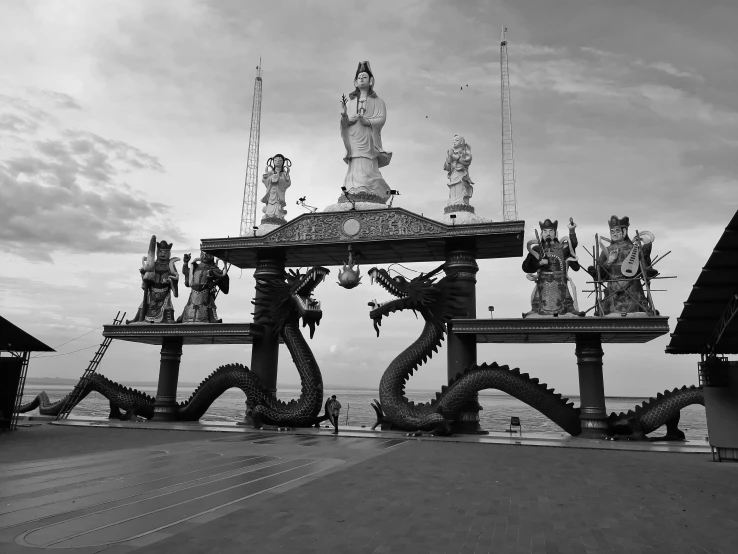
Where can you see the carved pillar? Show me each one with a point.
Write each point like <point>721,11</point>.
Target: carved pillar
<point>265,351</point>
<point>165,407</point>
<point>462,349</point>
<point>593,413</point>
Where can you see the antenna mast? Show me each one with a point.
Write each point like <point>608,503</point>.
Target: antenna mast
<point>248,212</point>
<point>509,200</point>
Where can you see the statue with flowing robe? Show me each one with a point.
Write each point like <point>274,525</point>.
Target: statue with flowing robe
<point>159,279</point>
<point>623,291</point>
<point>547,264</point>
<point>362,118</point>
<point>205,278</point>
<point>458,160</point>
<point>277,181</point>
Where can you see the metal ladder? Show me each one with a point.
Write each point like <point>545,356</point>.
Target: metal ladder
<point>25,356</point>
<point>74,397</point>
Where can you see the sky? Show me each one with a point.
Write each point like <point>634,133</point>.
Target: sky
<point>125,119</point>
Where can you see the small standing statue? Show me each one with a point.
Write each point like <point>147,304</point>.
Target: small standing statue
<point>362,119</point>
<point>547,264</point>
<point>619,264</point>
<point>460,190</point>
<point>159,279</point>
<point>277,181</point>
<point>204,279</point>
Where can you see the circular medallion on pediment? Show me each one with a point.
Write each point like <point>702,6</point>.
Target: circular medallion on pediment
<point>351,227</point>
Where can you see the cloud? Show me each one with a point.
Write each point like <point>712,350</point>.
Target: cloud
<point>61,189</point>
<point>60,99</point>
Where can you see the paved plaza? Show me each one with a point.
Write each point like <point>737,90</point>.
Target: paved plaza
<point>87,489</point>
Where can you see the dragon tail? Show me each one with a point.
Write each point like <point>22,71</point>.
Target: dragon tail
<point>519,385</point>
<point>118,395</point>
<point>656,411</point>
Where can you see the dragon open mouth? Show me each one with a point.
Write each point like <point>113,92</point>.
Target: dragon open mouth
<point>303,292</point>
<point>397,286</point>
<point>308,308</point>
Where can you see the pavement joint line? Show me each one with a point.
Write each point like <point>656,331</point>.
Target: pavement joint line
<point>94,483</point>
<point>312,461</point>
<point>247,469</point>
<point>339,462</point>
<point>563,441</point>
<point>77,480</point>
<point>178,487</point>
<point>46,464</point>
<point>67,473</point>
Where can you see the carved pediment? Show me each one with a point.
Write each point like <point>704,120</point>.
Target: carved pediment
<point>355,226</point>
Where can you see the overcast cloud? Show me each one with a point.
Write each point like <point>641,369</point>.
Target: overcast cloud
<point>131,118</point>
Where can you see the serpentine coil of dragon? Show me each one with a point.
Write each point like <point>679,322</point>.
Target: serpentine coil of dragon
<point>284,302</point>
<point>438,301</point>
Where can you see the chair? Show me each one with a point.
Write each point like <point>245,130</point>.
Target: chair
<point>515,422</point>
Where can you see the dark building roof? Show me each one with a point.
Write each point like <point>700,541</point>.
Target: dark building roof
<point>714,294</point>
<point>16,339</point>
<point>377,237</point>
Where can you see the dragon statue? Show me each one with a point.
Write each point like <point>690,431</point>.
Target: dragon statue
<point>437,301</point>
<point>287,302</point>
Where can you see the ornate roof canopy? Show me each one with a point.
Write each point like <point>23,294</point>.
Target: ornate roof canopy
<point>378,236</point>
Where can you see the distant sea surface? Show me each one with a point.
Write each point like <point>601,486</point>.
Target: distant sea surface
<point>357,410</point>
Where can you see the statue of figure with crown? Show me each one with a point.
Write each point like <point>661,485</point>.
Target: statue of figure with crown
<point>619,265</point>
<point>363,115</point>
<point>547,264</point>
<point>205,279</point>
<point>277,181</point>
<point>159,278</point>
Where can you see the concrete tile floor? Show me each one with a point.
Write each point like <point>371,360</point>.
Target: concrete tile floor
<point>414,496</point>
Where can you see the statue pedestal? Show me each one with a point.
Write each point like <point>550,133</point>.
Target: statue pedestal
<point>360,207</point>
<point>265,228</point>
<point>464,214</point>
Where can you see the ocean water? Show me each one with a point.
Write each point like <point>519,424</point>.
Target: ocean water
<point>357,410</point>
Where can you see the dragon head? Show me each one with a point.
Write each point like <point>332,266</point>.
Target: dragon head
<point>291,298</point>
<point>437,300</point>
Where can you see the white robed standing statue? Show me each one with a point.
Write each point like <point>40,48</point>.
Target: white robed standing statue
<point>363,115</point>
<point>277,181</point>
<point>458,160</point>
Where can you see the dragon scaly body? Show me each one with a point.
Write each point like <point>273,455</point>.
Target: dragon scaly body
<point>438,302</point>
<point>286,302</point>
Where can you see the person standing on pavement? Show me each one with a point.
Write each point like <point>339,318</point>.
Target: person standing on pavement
<point>334,409</point>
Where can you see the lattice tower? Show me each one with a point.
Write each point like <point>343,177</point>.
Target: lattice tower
<point>509,199</point>
<point>248,212</point>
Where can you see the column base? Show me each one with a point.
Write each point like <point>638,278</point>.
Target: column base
<point>165,410</point>
<point>467,421</point>
<point>722,454</point>
<point>594,428</point>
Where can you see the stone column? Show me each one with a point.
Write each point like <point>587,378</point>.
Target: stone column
<point>165,407</point>
<point>265,351</point>
<point>593,413</point>
<point>462,349</point>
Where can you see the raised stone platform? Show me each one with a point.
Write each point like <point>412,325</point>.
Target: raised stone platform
<point>379,236</point>
<point>190,333</point>
<point>563,330</point>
